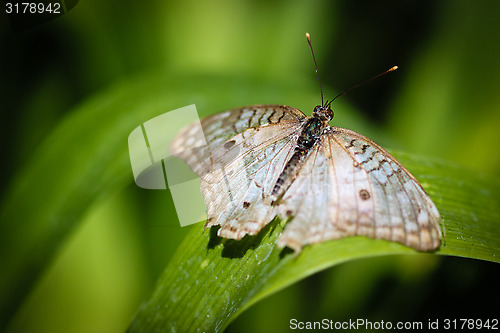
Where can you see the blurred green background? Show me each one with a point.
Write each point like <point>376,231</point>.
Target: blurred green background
<point>116,64</point>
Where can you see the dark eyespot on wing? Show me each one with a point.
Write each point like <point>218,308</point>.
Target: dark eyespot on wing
<point>364,194</point>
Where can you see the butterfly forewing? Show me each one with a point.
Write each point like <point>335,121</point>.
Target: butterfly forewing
<point>410,216</point>
<point>240,164</point>
<point>220,128</point>
<point>367,193</point>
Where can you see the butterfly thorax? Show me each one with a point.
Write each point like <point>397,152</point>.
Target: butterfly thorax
<point>309,136</point>
<point>310,133</point>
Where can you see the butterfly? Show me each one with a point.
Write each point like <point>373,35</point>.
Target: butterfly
<point>263,161</point>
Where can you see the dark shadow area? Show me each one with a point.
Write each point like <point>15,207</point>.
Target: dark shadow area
<point>234,248</point>
<point>287,251</point>
<point>214,240</point>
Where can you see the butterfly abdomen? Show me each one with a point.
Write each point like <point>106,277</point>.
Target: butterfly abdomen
<point>311,132</point>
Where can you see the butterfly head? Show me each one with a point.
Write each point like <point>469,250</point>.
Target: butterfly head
<point>323,112</point>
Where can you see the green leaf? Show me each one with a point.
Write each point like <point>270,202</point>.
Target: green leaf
<point>210,280</point>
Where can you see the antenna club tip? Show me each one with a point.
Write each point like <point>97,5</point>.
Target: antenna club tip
<point>308,36</point>
<point>393,68</point>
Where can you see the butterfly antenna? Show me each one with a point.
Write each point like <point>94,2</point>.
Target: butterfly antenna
<point>364,82</point>
<point>315,65</point>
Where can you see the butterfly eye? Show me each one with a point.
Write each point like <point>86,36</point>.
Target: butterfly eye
<point>330,113</point>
